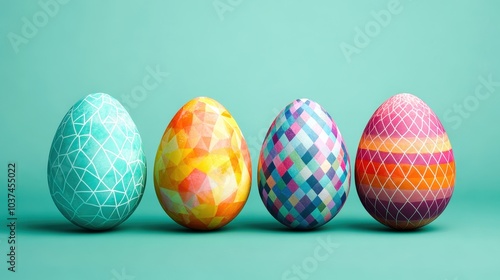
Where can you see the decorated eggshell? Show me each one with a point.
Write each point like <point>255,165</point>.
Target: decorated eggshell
<point>405,169</point>
<point>97,169</point>
<point>304,168</point>
<point>202,171</point>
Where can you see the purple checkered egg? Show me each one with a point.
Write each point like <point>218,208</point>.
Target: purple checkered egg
<point>304,168</point>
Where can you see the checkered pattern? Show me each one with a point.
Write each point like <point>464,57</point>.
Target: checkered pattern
<point>97,168</point>
<point>304,168</point>
<point>405,169</point>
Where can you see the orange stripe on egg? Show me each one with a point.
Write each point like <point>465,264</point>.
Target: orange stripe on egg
<point>405,170</point>
<point>432,183</point>
<point>405,145</point>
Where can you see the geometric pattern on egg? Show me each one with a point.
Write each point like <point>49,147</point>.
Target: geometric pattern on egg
<point>97,167</point>
<point>405,168</point>
<point>202,171</point>
<point>303,168</point>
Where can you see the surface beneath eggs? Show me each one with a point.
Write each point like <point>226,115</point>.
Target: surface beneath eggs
<point>460,245</point>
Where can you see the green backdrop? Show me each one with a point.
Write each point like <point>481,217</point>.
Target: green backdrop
<point>254,57</point>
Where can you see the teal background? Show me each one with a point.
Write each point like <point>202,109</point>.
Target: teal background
<point>254,60</point>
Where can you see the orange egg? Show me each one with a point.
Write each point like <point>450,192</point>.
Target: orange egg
<point>202,171</point>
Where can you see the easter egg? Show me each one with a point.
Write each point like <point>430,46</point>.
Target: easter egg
<point>202,171</point>
<point>304,167</point>
<point>405,169</point>
<point>96,169</point>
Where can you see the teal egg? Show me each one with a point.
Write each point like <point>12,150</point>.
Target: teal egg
<point>97,167</point>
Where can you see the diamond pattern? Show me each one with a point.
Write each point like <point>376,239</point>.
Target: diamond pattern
<point>97,169</point>
<point>202,170</point>
<point>405,169</point>
<point>304,168</point>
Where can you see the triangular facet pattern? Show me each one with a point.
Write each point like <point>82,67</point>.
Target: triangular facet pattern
<point>202,169</point>
<point>97,168</point>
